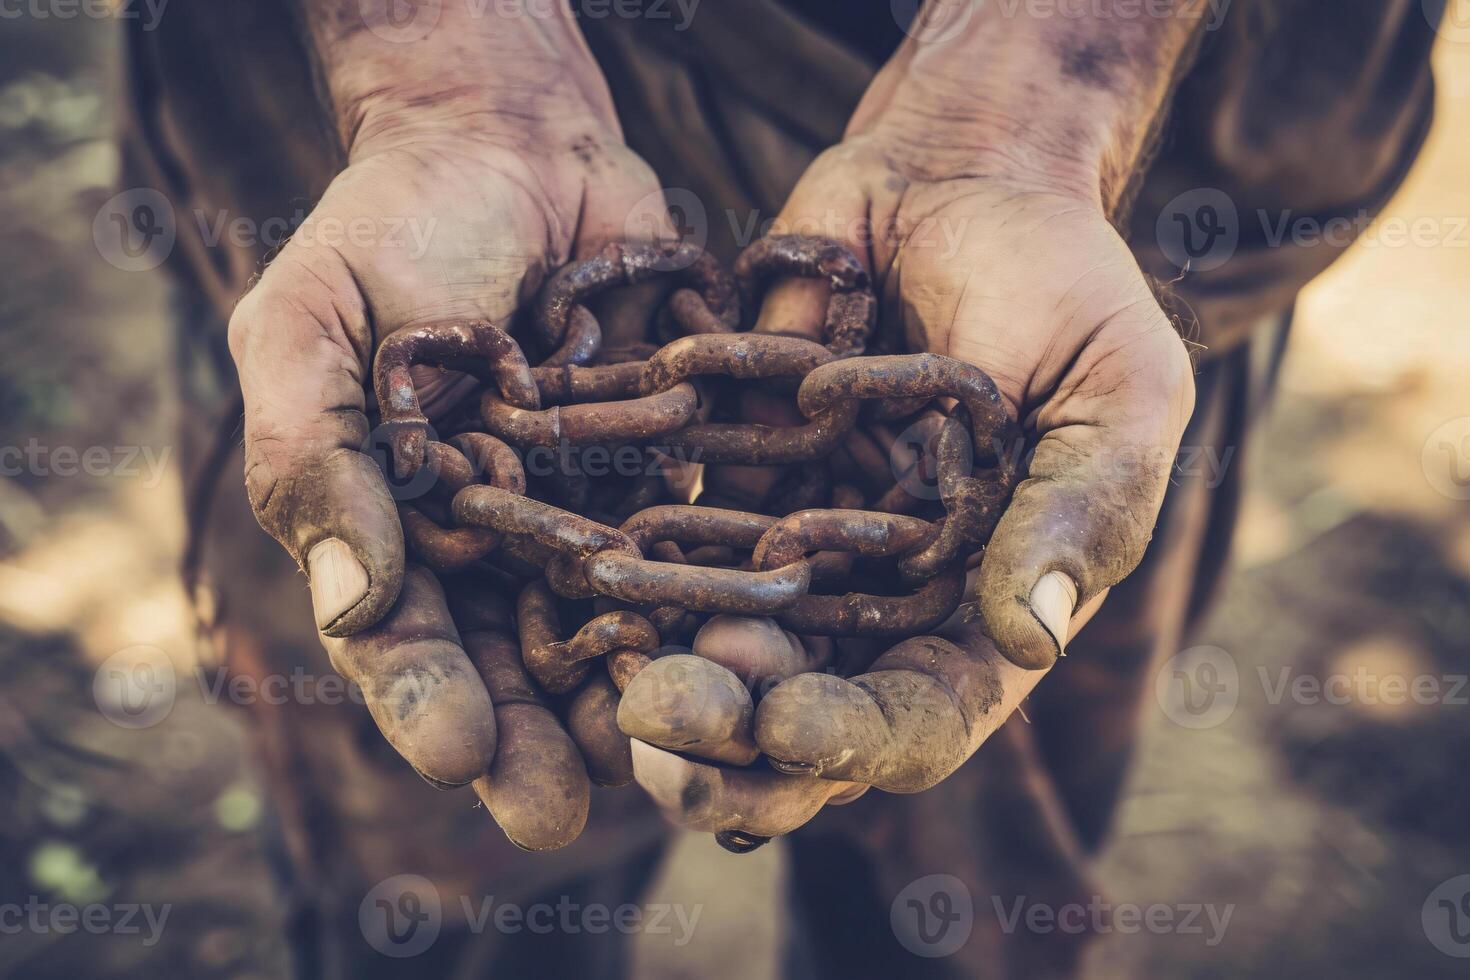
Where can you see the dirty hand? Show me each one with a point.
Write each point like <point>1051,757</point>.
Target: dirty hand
<point>752,736</point>
<point>478,158</point>
<point>979,182</point>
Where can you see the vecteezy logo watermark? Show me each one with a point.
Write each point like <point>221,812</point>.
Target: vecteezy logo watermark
<point>408,233</point>
<point>135,687</point>
<point>35,459</point>
<point>406,21</point>
<point>913,459</point>
<point>379,447</point>
<point>148,12</point>
<point>134,230</point>
<point>1100,917</point>
<point>1446,917</point>
<point>1446,459</point>
<point>590,9</point>
<point>401,917</point>
<point>1364,687</point>
<point>933,916</point>
<point>1364,230</point>
<point>63,918</point>
<point>1199,687</point>
<point>561,461</point>
<point>400,21</point>
<point>932,21</point>
<point>1199,230</point>
<point>137,230</point>
<point>596,462</point>
<point>298,687</point>
<point>686,213</point>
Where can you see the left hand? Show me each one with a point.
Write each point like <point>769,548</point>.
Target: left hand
<point>914,717</point>
<point>1001,254</point>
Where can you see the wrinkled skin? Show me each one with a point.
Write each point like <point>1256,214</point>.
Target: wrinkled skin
<point>1018,270</point>
<point>537,787</point>
<point>1036,288</point>
<point>692,723</point>
<point>911,719</point>
<point>496,208</point>
<point>420,687</point>
<point>592,723</point>
<point>702,703</point>
<point>1020,273</point>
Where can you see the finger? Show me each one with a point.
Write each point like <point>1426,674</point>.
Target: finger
<point>1080,521</point>
<point>689,704</point>
<point>592,721</point>
<point>702,704</point>
<point>922,709</point>
<point>820,207</point>
<point>758,651</point>
<point>537,787</point>
<point>629,209</point>
<point>419,685</point>
<point>301,342</point>
<point>795,306</point>
<point>754,802</point>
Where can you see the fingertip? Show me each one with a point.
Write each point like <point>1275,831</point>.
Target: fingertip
<point>1018,634</point>
<point>537,790</point>
<point>420,686</point>
<point>348,529</point>
<point>537,787</point>
<point>677,786</point>
<point>338,582</point>
<point>593,725</point>
<point>689,704</point>
<point>435,712</point>
<point>813,723</point>
<point>755,648</point>
<point>1031,629</point>
<point>1053,601</point>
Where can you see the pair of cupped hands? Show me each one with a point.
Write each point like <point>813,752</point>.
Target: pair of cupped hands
<point>998,265</point>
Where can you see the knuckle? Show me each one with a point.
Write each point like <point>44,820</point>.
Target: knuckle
<point>1176,365</point>
<point>264,487</point>
<point>244,326</point>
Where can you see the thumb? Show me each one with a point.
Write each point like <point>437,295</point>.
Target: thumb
<point>301,342</point>
<point>1080,521</point>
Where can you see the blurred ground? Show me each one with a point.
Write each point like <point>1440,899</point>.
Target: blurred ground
<point>1325,821</point>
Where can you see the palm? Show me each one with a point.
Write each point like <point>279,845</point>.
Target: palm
<point>1017,283</point>
<point>463,230</point>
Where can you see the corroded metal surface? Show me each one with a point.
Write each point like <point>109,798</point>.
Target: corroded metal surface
<point>856,515</point>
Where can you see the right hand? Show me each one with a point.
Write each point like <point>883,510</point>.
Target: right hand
<point>446,212</point>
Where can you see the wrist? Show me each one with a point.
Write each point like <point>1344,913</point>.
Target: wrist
<point>473,74</point>
<point>1000,151</point>
<point>1064,105</point>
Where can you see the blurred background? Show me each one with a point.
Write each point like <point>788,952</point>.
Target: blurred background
<point>1308,782</point>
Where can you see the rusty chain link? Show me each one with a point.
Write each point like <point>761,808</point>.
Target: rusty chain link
<point>611,569</point>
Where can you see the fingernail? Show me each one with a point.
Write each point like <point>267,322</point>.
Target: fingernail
<point>1053,602</point>
<point>739,842</point>
<point>338,580</point>
<point>436,783</point>
<point>793,768</point>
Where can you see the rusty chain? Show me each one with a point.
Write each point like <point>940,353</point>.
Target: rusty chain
<point>612,570</point>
